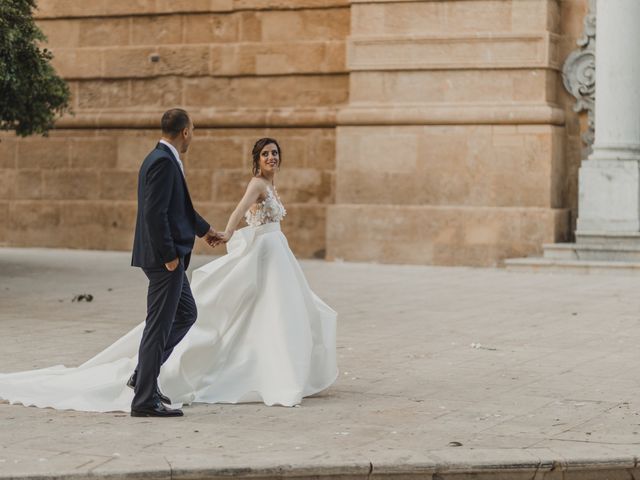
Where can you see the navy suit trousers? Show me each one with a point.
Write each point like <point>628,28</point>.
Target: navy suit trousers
<point>171,311</point>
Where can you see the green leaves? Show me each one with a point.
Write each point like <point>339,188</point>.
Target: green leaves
<point>31,94</point>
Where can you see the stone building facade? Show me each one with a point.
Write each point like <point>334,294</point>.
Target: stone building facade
<point>433,131</point>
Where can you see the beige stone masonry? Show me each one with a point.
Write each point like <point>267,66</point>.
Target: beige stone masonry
<point>450,165</point>
<point>110,8</point>
<point>413,88</point>
<point>440,235</point>
<point>199,60</point>
<point>472,51</point>
<point>413,131</point>
<point>444,17</point>
<point>452,114</point>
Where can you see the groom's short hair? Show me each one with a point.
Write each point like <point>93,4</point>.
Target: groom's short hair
<point>174,121</point>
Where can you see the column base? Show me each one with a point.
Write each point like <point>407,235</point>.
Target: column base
<point>609,196</point>
<point>441,235</point>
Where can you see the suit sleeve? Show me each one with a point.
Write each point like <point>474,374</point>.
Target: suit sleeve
<point>202,226</point>
<point>158,185</point>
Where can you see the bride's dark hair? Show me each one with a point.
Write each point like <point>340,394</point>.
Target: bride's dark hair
<point>257,148</point>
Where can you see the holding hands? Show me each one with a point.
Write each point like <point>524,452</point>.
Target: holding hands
<point>214,238</point>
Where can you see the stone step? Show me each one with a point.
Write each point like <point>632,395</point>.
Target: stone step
<point>605,252</point>
<point>550,265</point>
<point>631,239</point>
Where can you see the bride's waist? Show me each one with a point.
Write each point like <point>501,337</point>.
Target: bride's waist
<point>264,228</point>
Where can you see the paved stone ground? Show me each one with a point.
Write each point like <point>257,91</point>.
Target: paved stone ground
<point>523,370</point>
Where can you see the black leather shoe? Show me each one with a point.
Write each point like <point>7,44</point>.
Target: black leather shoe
<point>157,410</point>
<point>131,383</point>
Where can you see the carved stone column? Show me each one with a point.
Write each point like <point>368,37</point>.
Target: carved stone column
<point>609,199</point>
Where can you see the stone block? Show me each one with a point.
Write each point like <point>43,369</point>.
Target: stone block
<point>250,26</point>
<point>477,51</point>
<point>67,184</point>
<point>200,184</point>
<point>7,152</point>
<point>128,7</point>
<point>278,58</point>
<point>305,229</point>
<point>84,224</point>
<point>211,28</point>
<point>304,25</point>
<point>572,14</point>
<point>439,235</point>
<point>446,86</point>
<point>304,185</point>
<point>62,33</point>
<point>156,30</point>
<point>74,63</point>
<point>104,32</point>
<point>28,185</point>
<point>133,149</point>
<point>120,221</point>
<point>44,153</point>
<point>434,17</point>
<point>452,165</point>
<point>262,92</point>
<point>104,94</point>
<point>4,226</point>
<point>183,60</point>
<point>535,15</point>
<point>35,223</point>
<point>168,6</point>
<point>160,92</point>
<point>67,8</point>
<point>215,153</point>
<point>229,185</point>
<point>95,153</point>
<point>7,183</point>
<point>118,185</point>
<point>130,62</point>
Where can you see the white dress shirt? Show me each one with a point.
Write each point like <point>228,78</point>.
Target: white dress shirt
<point>175,154</point>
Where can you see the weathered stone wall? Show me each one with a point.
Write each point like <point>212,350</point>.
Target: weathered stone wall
<point>452,149</point>
<point>243,69</point>
<point>412,131</point>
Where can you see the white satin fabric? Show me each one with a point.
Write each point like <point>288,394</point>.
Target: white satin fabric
<point>262,335</point>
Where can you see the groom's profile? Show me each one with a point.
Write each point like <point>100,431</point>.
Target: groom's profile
<point>166,226</point>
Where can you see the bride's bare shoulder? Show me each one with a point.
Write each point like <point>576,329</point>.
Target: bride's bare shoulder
<point>257,186</point>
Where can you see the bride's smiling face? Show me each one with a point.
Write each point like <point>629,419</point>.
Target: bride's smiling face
<point>269,158</point>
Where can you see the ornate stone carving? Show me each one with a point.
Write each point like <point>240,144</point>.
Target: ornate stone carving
<point>579,73</point>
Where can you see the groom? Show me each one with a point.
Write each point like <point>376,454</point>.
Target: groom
<point>166,227</point>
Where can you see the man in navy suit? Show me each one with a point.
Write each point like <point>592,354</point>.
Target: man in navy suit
<point>166,227</point>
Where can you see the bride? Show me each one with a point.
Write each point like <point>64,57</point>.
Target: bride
<point>262,335</point>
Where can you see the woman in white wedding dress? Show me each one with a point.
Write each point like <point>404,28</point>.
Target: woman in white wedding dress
<point>262,335</point>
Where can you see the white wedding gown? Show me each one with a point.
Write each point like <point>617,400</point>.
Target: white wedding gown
<point>261,335</point>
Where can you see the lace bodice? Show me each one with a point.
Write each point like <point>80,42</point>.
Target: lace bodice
<point>267,211</point>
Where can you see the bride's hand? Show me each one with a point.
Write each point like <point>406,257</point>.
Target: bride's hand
<point>226,236</point>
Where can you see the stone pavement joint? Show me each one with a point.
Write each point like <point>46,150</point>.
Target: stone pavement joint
<point>535,375</point>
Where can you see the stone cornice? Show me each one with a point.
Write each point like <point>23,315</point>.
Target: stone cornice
<point>452,114</point>
<point>427,114</point>
<point>205,118</point>
<point>110,8</point>
<point>466,51</point>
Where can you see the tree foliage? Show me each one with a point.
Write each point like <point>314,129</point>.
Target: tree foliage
<point>31,94</point>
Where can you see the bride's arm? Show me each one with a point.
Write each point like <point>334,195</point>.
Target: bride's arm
<point>251,196</point>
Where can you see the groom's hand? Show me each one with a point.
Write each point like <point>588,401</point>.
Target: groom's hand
<point>212,237</point>
<point>172,265</point>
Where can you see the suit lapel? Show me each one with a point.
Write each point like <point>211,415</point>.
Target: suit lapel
<point>164,148</point>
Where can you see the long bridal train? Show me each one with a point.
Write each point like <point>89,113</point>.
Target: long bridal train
<point>262,335</point>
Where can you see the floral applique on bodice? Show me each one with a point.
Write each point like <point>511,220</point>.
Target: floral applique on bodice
<point>268,210</point>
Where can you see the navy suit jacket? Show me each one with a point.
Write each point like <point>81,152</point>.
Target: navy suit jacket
<point>167,223</point>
